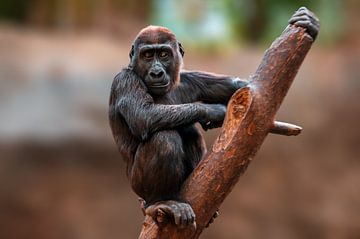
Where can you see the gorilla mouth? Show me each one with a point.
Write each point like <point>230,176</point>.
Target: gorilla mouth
<point>160,85</point>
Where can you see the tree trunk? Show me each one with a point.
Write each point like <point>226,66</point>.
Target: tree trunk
<point>250,117</point>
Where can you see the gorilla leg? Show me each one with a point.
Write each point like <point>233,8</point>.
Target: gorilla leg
<point>157,175</point>
<point>158,170</point>
<point>194,147</point>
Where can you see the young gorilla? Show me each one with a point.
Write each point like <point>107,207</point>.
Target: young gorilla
<point>153,111</point>
<point>154,106</point>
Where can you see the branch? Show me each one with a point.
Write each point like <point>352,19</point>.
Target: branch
<point>285,129</point>
<point>250,117</point>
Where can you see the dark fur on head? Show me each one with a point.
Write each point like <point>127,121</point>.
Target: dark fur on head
<point>153,36</point>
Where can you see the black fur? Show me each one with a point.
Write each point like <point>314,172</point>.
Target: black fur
<point>155,130</point>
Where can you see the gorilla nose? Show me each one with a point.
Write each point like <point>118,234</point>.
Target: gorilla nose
<point>156,74</point>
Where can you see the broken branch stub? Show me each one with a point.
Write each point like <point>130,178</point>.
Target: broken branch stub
<point>250,117</point>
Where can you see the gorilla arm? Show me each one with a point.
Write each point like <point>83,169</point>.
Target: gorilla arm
<point>209,87</point>
<point>144,117</point>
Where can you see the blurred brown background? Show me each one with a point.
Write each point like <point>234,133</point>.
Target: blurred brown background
<point>60,174</point>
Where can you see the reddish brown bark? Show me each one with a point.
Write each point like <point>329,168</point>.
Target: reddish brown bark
<point>250,117</point>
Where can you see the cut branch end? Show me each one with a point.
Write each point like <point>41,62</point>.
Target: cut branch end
<point>286,129</point>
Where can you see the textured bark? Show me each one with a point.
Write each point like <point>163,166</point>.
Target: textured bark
<point>250,117</point>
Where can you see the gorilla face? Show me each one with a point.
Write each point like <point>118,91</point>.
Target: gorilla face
<point>159,72</point>
<point>156,57</point>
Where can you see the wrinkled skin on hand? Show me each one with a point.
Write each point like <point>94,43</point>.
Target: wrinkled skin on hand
<point>307,19</point>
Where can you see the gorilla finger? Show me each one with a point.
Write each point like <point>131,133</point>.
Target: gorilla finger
<point>311,28</point>
<point>306,13</point>
<point>174,207</point>
<point>300,12</point>
<point>184,218</point>
<point>192,213</point>
<point>305,23</point>
<point>299,18</point>
<point>151,210</point>
<point>316,23</point>
<point>167,209</point>
<point>304,10</point>
<point>314,17</point>
<point>312,21</point>
<point>177,218</point>
<point>190,216</point>
<point>182,211</point>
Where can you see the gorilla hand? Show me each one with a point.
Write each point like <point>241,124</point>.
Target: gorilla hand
<point>307,19</point>
<point>214,116</point>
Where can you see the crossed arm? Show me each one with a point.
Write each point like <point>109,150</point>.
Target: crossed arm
<point>145,117</point>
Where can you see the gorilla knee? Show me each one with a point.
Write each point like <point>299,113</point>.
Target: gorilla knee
<point>168,145</point>
<point>158,169</point>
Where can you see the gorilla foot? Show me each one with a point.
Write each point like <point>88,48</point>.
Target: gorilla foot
<point>178,212</point>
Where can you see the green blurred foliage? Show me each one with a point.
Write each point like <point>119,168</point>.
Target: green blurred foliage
<point>194,22</point>
<point>14,10</point>
<point>250,21</point>
<point>201,23</point>
<point>262,20</point>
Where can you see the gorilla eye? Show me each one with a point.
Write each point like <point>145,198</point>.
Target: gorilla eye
<point>163,54</point>
<point>148,55</point>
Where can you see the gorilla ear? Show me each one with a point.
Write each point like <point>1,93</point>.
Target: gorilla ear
<point>181,49</point>
<point>131,54</point>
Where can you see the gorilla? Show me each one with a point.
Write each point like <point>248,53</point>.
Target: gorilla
<point>154,106</point>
